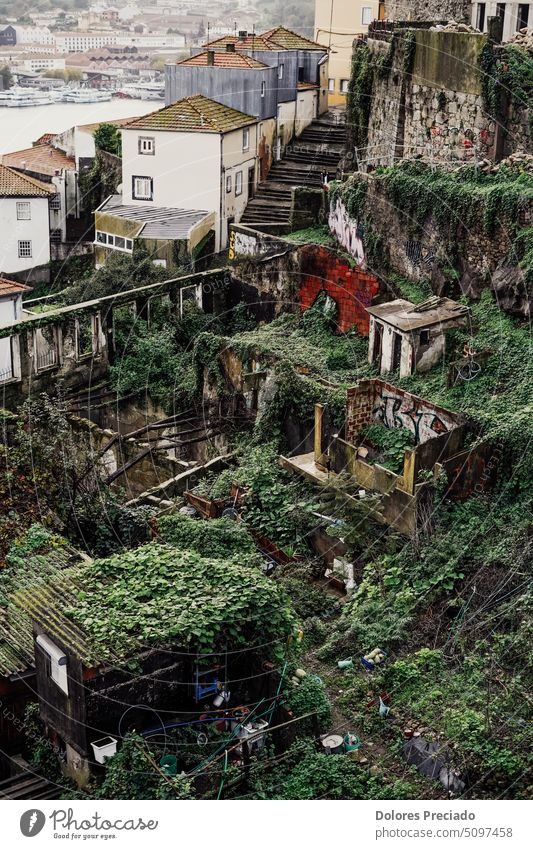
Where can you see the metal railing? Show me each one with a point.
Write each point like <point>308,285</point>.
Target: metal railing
<point>46,359</point>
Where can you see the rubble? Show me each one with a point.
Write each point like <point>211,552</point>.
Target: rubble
<point>453,26</point>
<point>523,38</point>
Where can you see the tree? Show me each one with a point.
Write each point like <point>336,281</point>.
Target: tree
<point>107,137</point>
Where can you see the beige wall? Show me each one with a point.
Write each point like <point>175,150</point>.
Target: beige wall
<point>236,161</point>
<point>337,23</point>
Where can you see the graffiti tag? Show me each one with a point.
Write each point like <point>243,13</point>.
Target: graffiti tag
<point>347,231</point>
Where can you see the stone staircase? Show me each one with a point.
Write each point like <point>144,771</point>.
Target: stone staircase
<point>314,154</point>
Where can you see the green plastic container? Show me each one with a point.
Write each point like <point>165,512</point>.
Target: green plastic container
<point>351,742</point>
<point>169,765</point>
<point>345,664</point>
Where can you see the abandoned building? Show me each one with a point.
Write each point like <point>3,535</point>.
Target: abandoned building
<point>92,688</point>
<point>408,337</point>
<point>436,438</point>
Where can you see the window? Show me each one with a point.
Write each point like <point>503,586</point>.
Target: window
<point>143,188</point>
<point>263,88</point>
<point>228,183</point>
<point>23,211</point>
<point>24,248</point>
<point>500,11</point>
<point>301,74</point>
<point>238,183</point>
<point>523,16</point>
<point>55,202</point>
<point>424,337</point>
<point>246,139</point>
<point>331,85</point>
<point>481,16</point>
<point>281,68</point>
<point>344,86</point>
<point>366,15</point>
<point>146,145</point>
<point>119,242</point>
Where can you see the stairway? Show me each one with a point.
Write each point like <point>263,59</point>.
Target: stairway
<point>28,786</point>
<point>315,153</point>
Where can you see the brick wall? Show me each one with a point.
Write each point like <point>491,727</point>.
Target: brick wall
<point>377,401</point>
<point>351,288</point>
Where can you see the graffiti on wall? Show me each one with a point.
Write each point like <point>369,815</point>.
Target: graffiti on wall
<point>347,231</point>
<point>398,411</point>
<point>243,244</point>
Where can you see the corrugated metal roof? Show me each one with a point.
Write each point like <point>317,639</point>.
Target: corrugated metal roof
<point>197,114</point>
<point>159,222</point>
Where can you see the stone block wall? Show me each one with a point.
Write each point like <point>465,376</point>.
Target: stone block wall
<point>428,10</point>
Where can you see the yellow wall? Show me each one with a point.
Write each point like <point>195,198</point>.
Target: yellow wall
<point>337,23</point>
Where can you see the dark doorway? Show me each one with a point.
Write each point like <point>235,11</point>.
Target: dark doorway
<point>481,16</point>
<point>378,344</point>
<point>396,351</point>
<point>523,16</point>
<point>251,183</point>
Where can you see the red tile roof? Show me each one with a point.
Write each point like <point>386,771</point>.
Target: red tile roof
<point>9,287</point>
<point>41,159</point>
<point>224,59</point>
<point>250,42</point>
<point>13,184</point>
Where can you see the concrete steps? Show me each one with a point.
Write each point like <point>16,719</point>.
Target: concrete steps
<point>307,160</point>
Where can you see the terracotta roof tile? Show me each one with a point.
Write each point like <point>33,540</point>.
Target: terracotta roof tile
<point>223,59</point>
<point>193,114</point>
<point>41,159</point>
<point>250,42</point>
<point>13,184</point>
<point>9,287</point>
<point>289,40</point>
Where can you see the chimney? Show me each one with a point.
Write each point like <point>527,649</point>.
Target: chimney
<point>242,33</point>
<point>230,47</point>
<point>210,57</point>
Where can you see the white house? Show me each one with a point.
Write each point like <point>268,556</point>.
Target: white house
<point>10,311</point>
<point>24,221</point>
<point>515,16</point>
<point>194,154</point>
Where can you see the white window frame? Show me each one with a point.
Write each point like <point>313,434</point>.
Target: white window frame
<point>263,88</point>
<point>281,70</point>
<point>238,183</point>
<point>57,662</point>
<point>228,183</point>
<point>246,139</point>
<point>344,86</point>
<point>106,240</point>
<point>23,206</point>
<point>331,85</point>
<point>136,194</point>
<point>366,15</point>
<point>146,145</point>
<point>25,253</point>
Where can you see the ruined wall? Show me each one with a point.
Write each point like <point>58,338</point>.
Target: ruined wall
<point>351,288</point>
<point>455,256</point>
<point>272,275</point>
<point>377,401</point>
<point>427,10</point>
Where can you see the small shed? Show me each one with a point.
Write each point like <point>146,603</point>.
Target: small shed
<point>412,337</point>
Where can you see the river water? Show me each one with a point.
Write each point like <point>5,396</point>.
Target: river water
<point>23,125</point>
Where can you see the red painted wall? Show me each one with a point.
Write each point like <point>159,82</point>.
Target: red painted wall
<point>352,289</point>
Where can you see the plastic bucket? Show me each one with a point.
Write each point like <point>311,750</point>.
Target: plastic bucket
<point>345,664</point>
<point>351,742</point>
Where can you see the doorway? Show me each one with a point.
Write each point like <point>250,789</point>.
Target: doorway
<point>378,344</point>
<point>251,182</point>
<point>396,351</point>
